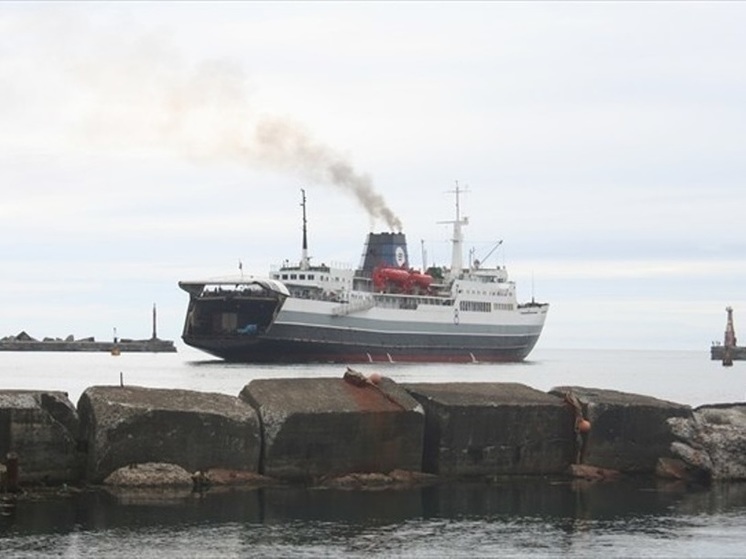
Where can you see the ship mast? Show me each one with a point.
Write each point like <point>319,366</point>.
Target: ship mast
<point>304,263</point>
<point>457,258</point>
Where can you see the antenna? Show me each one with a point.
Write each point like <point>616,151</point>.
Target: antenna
<point>304,253</point>
<point>532,287</point>
<point>458,191</point>
<point>457,240</point>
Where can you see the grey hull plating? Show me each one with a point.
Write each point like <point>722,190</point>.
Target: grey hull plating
<point>266,349</point>
<point>356,340</point>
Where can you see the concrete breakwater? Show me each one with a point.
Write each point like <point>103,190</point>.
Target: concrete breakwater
<point>359,430</point>
<point>153,345</point>
<point>24,342</point>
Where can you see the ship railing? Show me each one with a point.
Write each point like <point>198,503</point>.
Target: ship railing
<point>316,268</point>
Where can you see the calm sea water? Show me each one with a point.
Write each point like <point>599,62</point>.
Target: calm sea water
<point>532,517</point>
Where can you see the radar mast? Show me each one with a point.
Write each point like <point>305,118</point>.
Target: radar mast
<point>457,241</point>
<point>304,262</point>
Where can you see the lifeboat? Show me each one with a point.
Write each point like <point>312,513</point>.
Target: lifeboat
<point>400,280</point>
<point>420,281</point>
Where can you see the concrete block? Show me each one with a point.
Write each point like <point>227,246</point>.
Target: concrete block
<point>477,429</point>
<point>628,432</point>
<point>325,427</point>
<point>194,430</point>
<point>41,429</point>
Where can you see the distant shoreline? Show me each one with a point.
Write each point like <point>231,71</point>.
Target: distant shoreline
<point>153,345</point>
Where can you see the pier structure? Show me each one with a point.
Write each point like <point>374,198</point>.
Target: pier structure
<point>729,350</point>
<point>362,429</point>
<point>25,342</point>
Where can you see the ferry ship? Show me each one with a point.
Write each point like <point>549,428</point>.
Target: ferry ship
<point>383,311</point>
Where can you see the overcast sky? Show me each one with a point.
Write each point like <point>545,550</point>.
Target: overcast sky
<point>604,143</point>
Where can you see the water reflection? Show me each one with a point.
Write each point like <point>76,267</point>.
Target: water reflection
<point>524,514</point>
<point>540,498</point>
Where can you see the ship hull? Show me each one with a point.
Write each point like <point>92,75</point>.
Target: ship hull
<point>266,349</point>
<point>307,332</point>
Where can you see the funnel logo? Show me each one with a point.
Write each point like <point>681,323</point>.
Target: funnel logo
<point>400,257</point>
